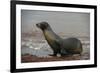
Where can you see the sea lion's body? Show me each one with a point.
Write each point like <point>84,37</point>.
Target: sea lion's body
<point>67,46</point>
<point>53,40</point>
<point>71,46</point>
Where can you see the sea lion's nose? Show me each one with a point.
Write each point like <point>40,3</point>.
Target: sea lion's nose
<point>36,24</point>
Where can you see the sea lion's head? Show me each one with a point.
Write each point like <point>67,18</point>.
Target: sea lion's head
<point>43,25</point>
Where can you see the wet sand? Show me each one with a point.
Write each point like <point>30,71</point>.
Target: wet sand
<point>32,58</point>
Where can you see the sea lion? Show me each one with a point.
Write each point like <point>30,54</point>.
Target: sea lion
<point>59,45</point>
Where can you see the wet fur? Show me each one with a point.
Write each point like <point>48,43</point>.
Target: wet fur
<point>64,47</point>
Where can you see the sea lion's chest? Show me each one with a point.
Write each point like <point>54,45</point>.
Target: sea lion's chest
<point>50,37</point>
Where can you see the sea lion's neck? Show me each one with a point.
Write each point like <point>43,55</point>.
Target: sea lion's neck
<point>50,34</point>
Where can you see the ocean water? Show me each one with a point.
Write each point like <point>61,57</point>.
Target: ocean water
<point>39,47</point>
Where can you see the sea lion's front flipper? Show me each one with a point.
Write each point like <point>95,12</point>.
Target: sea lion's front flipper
<point>59,46</point>
<point>57,50</point>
